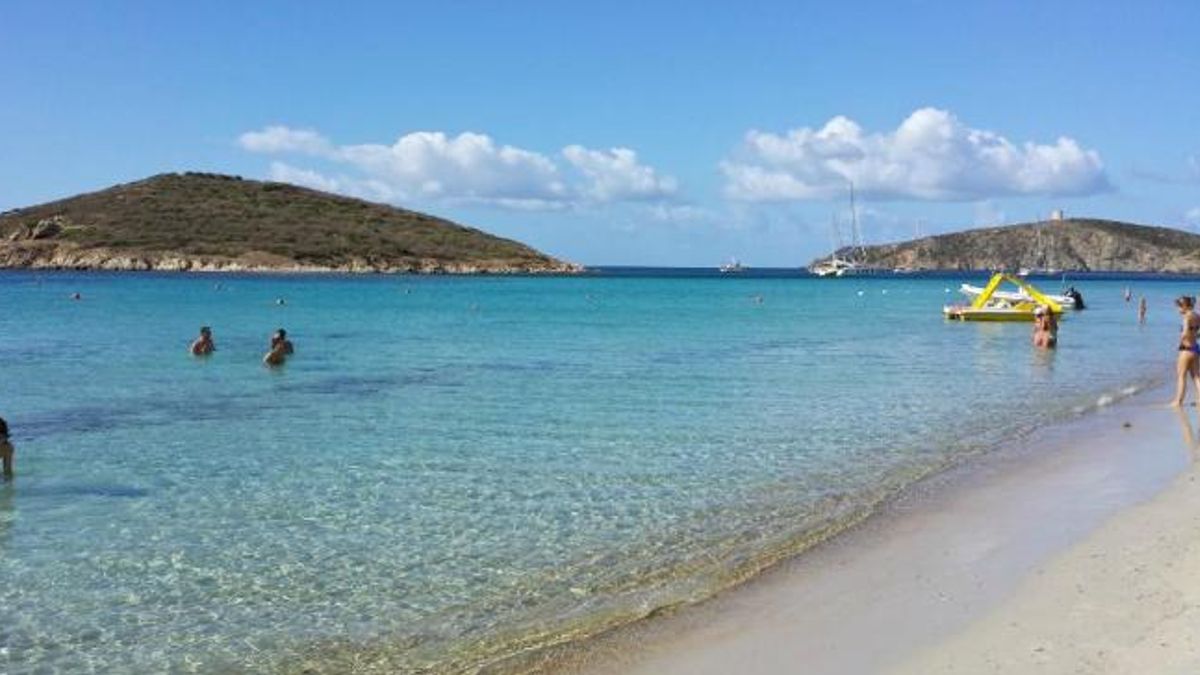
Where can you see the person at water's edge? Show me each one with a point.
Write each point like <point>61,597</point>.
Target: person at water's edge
<point>1187,363</point>
<point>6,450</point>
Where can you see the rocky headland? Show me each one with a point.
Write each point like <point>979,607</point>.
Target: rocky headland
<point>1076,245</point>
<point>200,222</point>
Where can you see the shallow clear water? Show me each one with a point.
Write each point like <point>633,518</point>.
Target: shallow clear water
<point>451,468</point>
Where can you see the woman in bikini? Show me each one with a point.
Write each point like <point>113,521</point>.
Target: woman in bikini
<point>1187,363</point>
<point>1045,328</point>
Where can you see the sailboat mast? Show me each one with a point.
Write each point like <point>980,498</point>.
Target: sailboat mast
<point>861,251</point>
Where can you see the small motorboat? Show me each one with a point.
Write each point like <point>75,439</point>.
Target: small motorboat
<point>988,307</point>
<point>732,267</point>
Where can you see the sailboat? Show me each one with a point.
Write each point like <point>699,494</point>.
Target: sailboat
<point>856,263</point>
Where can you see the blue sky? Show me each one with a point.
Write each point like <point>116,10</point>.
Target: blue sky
<point>673,133</point>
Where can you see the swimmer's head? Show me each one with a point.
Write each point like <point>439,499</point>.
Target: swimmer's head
<point>1185,302</point>
<point>281,334</point>
<point>206,331</point>
<point>3,427</point>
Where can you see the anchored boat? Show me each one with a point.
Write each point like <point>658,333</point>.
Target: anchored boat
<point>988,307</point>
<point>1067,301</point>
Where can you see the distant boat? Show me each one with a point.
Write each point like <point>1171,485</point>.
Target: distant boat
<point>855,265</point>
<point>732,267</point>
<point>834,267</point>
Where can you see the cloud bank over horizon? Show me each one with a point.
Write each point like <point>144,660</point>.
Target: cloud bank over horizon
<point>930,156</point>
<point>467,168</point>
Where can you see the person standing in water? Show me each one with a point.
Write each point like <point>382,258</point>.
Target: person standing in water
<point>1141,310</point>
<point>1045,328</point>
<point>281,348</point>
<point>6,450</point>
<point>1187,363</point>
<point>1128,294</point>
<point>204,345</point>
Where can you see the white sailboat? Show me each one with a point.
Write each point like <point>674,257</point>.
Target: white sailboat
<point>855,264</point>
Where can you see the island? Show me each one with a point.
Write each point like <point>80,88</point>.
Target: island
<point>201,222</point>
<point>1063,245</point>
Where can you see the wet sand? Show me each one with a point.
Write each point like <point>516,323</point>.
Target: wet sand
<point>1074,550</point>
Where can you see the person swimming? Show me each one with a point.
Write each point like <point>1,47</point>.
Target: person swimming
<point>281,348</point>
<point>204,345</point>
<point>6,450</point>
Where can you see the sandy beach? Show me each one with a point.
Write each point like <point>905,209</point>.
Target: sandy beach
<point>1125,600</point>
<point>1072,551</point>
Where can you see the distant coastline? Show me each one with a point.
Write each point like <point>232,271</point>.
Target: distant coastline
<point>1047,247</point>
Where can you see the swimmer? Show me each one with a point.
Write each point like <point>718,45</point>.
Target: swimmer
<point>1142,310</point>
<point>76,296</point>
<point>6,450</point>
<point>1128,294</point>
<point>281,348</point>
<point>280,301</point>
<point>204,345</point>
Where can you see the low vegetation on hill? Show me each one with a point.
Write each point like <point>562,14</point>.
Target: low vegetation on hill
<point>211,221</point>
<point>1078,244</point>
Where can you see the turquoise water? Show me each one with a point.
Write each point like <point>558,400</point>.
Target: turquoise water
<point>451,469</point>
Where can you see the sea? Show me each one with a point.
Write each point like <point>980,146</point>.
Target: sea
<point>453,472</point>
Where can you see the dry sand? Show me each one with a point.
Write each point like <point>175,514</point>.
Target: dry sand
<point>1078,551</point>
<point>1125,600</point>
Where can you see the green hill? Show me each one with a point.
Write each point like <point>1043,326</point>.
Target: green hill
<point>1075,244</point>
<point>212,222</point>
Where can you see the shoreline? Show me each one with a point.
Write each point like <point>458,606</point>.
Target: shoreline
<point>214,268</point>
<point>950,549</point>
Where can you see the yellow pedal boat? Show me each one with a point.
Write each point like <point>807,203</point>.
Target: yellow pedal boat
<point>986,307</point>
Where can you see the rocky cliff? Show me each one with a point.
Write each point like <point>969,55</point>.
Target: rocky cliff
<point>211,222</point>
<point>1066,245</point>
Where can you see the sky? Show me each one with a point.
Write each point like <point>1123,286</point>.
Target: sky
<point>635,133</point>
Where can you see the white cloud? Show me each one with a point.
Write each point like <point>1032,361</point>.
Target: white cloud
<point>616,175</point>
<point>469,167</point>
<point>987,214</point>
<point>1192,216</point>
<point>286,173</point>
<point>276,139</point>
<point>680,213</point>
<point>930,156</point>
